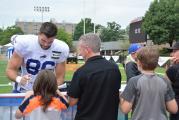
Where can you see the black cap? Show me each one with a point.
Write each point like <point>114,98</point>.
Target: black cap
<point>175,46</point>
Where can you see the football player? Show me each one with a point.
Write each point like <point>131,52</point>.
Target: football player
<point>36,52</point>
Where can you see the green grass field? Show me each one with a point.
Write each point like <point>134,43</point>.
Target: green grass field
<point>69,73</point>
<point>3,78</point>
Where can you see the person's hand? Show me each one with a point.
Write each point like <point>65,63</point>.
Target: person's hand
<point>25,79</point>
<point>174,60</point>
<point>59,93</point>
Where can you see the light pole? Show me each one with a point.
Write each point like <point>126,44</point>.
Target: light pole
<point>41,9</point>
<point>94,27</point>
<point>84,17</point>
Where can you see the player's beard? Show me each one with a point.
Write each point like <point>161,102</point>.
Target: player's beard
<point>44,47</point>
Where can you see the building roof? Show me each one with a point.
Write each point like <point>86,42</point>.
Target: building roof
<point>113,45</point>
<point>136,20</point>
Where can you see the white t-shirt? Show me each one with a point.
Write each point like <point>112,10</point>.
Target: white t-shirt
<point>35,58</point>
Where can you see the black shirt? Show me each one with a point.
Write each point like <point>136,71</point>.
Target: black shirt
<point>97,85</point>
<point>131,70</point>
<point>173,74</point>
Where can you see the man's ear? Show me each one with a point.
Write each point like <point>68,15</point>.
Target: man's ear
<point>88,50</point>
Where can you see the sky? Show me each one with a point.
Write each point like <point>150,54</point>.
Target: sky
<point>72,11</point>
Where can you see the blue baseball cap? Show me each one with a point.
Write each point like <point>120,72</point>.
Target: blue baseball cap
<point>133,48</point>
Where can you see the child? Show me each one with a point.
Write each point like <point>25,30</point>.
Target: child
<point>44,96</point>
<point>149,94</point>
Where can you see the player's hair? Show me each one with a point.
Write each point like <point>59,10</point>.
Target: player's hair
<point>148,57</point>
<point>45,85</point>
<point>91,40</point>
<point>49,29</point>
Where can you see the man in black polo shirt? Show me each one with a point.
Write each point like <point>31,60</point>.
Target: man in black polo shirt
<point>95,86</point>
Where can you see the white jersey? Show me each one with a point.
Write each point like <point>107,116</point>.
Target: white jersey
<point>10,51</point>
<point>35,58</point>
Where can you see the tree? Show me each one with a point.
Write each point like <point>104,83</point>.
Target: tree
<point>1,30</point>
<point>89,27</point>
<point>112,32</point>
<point>6,34</point>
<point>161,21</point>
<point>64,36</point>
<point>127,30</point>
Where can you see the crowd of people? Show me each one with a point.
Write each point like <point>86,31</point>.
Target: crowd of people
<point>95,85</point>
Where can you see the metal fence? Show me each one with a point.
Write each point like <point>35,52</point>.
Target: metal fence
<point>10,102</point>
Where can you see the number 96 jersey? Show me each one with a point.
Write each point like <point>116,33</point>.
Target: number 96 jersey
<point>35,58</point>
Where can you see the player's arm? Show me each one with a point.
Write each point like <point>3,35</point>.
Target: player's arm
<point>60,72</point>
<point>13,66</point>
<point>13,69</point>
